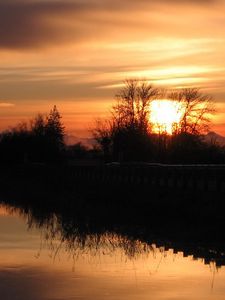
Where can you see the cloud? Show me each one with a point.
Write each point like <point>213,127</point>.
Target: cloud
<point>6,104</point>
<point>24,25</point>
<point>29,24</point>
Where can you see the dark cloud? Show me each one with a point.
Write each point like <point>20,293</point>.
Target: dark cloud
<point>25,25</point>
<point>33,23</point>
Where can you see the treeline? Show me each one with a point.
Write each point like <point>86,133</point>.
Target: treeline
<point>40,140</point>
<point>129,144</point>
<point>43,140</point>
<point>129,135</point>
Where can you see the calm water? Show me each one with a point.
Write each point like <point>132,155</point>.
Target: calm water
<point>37,261</point>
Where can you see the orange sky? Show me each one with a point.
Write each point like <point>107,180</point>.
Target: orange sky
<point>76,53</point>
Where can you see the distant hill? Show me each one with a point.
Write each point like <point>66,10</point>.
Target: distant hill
<point>215,138</point>
<point>89,142</point>
<point>72,139</point>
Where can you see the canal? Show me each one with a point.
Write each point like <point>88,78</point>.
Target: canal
<point>45,257</point>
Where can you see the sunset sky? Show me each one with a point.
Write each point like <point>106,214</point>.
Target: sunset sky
<point>76,54</point>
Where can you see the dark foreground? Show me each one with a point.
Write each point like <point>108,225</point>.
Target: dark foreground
<point>95,240</point>
<point>191,221</point>
<point>48,255</point>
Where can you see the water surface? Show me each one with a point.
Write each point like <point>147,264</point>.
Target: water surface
<point>43,260</point>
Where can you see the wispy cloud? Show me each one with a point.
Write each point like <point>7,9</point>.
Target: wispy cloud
<point>28,24</point>
<point>82,50</point>
<point>6,104</point>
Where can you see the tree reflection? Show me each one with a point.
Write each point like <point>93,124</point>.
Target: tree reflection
<point>63,231</point>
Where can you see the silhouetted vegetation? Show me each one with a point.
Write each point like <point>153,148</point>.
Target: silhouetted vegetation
<point>77,151</point>
<point>42,140</point>
<point>133,200</point>
<point>197,109</point>
<point>128,134</point>
<point>125,220</point>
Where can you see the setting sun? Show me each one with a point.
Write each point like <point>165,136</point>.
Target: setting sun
<point>164,115</point>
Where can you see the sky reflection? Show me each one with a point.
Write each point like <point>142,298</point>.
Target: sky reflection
<point>34,266</point>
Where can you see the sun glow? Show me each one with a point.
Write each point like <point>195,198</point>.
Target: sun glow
<point>165,115</point>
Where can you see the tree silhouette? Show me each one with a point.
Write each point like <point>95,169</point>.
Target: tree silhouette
<point>102,133</point>
<point>40,141</point>
<point>133,104</point>
<point>129,136</point>
<point>54,128</point>
<point>126,132</point>
<point>38,125</point>
<point>196,110</point>
<point>15,144</point>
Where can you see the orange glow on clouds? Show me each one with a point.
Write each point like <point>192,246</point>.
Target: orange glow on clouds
<point>81,51</point>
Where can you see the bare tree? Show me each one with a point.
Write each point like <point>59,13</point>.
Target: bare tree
<point>196,110</point>
<point>133,104</point>
<point>125,134</point>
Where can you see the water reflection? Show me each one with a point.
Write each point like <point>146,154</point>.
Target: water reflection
<point>67,231</point>
<point>62,233</point>
<point>106,263</point>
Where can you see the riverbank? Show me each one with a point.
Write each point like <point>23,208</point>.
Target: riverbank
<point>139,204</point>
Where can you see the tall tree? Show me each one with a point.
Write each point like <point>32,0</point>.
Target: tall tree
<point>196,110</point>
<point>38,125</point>
<point>126,132</point>
<point>54,128</point>
<point>133,104</point>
